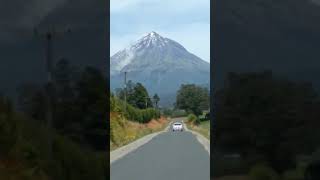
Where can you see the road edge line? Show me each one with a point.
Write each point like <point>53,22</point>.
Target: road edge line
<point>124,150</point>
<point>202,140</point>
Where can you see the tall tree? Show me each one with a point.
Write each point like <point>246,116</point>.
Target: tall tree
<point>137,95</point>
<point>141,97</point>
<point>64,76</point>
<point>91,106</point>
<point>156,100</point>
<point>192,98</point>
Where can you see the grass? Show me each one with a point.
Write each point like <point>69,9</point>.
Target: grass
<point>124,131</point>
<point>203,128</point>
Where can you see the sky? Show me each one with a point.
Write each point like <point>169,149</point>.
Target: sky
<point>22,53</point>
<point>184,21</point>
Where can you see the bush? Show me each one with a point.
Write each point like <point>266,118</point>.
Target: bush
<point>263,172</point>
<point>133,114</point>
<point>193,119</point>
<point>28,155</point>
<point>295,174</point>
<point>227,166</point>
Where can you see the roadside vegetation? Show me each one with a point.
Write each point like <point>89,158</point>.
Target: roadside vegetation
<point>267,128</point>
<point>134,119</point>
<point>79,129</point>
<point>194,100</point>
<point>199,124</point>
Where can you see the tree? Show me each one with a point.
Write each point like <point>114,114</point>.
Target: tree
<point>141,97</point>
<point>91,104</point>
<point>64,76</point>
<point>156,100</point>
<point>194,99</point>
<point>258,115</point>
<point>137,95</point>
<point>31,101</point>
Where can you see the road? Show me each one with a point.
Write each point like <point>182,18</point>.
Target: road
<point>168,156</point>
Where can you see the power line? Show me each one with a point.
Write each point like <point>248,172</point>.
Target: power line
<point>125,91</point>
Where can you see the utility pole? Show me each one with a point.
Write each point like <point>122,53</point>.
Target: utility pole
<point>49,35</point>
<point>146,103</point>
<point>49,113</point>
<point>146,98</point>
<point>125,91</point>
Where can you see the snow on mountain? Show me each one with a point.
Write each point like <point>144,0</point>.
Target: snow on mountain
<point>160,64</point>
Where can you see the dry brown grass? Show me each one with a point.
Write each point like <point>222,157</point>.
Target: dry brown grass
<point>124,131</point>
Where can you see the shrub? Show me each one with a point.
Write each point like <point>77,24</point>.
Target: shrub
<point>193,119</point>
<point>263,172</point>
<point>226,166</point>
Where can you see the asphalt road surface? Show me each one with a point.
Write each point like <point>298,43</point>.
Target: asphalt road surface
<point>168,156</point>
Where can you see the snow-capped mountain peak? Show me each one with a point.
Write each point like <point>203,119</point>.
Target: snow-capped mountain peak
<point>152,39</point>
<point>153,52</point>
<point>159,63</point>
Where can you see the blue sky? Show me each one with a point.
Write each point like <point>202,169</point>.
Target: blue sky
<point>185,21</point>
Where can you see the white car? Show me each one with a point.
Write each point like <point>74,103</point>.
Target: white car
<point>177,126</point>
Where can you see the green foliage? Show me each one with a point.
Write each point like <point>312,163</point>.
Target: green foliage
<point>8,128</point>
<point>141,115</point>
<point>137,95</point>
<point>167,112</point>
<point>132,113</point>
<point>174,113</point>
<point>294,174</point>
<point>156,100</point>
<point>192,98</point>
<point>193,119</point>
<point>117,129</point>
<point>26,149</point>
<point>274,118</point>
<point>72,162</point>
<point>78,103</point>
<point>224,166</point>
<point>263,172</point>
<point>32,99</point>
<point>80,128</point>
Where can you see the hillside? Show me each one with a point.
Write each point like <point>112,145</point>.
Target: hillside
<point>160,64</point>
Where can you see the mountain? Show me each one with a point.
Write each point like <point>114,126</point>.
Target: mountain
<point>160,64</point>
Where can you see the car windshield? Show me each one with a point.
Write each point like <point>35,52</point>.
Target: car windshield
<point>177,124</point>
